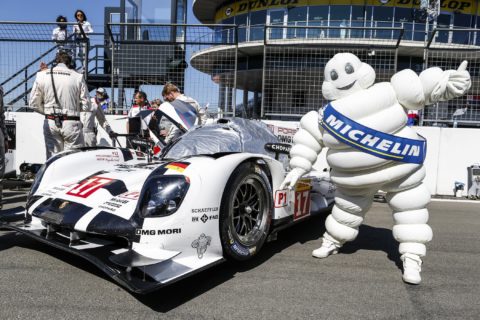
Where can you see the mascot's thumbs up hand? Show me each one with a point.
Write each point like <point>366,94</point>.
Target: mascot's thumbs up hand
<point>453,84</point>
<point>459,80</point>
<point>292,178</point>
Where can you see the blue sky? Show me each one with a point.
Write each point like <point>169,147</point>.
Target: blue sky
<point>48,10</point>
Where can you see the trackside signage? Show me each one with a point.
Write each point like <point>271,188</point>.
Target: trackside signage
<point>245,6</point>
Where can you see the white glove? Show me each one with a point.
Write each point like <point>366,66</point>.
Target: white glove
<point>453,84</point>
<point>292,178</point>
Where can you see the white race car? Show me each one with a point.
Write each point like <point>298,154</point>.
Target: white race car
<point>211,195</point>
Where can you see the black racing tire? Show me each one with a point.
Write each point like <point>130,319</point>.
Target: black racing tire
<point>246,212</point>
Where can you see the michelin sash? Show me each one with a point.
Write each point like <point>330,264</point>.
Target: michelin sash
<point>380,144</point>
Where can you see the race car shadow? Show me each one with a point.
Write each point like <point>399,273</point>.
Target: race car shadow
<point>177,294</point>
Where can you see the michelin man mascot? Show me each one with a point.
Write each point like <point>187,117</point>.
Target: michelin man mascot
<point>371,149</point>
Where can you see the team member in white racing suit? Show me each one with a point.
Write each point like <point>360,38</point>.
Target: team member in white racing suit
<point>89,125</point>
<point>62,106</point>
<point>371,149</point>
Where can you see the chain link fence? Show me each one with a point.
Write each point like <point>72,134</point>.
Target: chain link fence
<point>23,46</point>
<point>448,55</point>
<point>278,76</point>
<point>295,57</point>
<point>199,60</point>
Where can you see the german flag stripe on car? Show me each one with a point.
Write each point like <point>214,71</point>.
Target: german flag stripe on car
<point>177,166</point>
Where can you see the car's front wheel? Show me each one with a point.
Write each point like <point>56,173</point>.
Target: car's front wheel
<point>246,211</point>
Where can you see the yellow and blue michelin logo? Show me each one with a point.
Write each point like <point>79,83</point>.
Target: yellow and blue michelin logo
<point>380,144</point>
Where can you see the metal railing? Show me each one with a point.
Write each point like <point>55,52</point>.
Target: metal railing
<point>278,74</point>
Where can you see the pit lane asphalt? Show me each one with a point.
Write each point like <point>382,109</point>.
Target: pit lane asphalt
<point>363,281</point>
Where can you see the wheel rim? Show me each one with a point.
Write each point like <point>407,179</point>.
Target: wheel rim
<point>249,211</point>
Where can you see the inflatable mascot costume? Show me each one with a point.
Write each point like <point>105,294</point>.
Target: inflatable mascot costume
<point>371,149</point>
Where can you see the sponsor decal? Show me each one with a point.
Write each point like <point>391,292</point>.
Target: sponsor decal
<point>63,204</point>
<point>177,166</point>
<point>204,210</point>
<point>109,157</point>
<point>86,187</point>
<point>444,4</point>
<point>113,204</point>
<point>368,140</point>
<point>159,232</point>
<point>244,6</point>
<point>302,199</point>
<point>256,4</point>
<point>278,147</point>
<point>284,135</point>
<point>280,198</point>
<point>201,244</point>
<point>240,249</point>
<point>131,195</point>
<point>204,218</point>
<point>54,190</point>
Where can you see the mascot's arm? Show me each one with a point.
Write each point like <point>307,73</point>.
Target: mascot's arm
<point>409,89</point>
<point>306,147</point>
<point>441,85</point>
<point>433,85</point>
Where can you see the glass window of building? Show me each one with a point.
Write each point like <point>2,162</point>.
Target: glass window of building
<point>241,22</point>
<point>257,23</point>
<point>276,17</point>
<point>358,20</point>
<point>339,17</point>
<point>181,17</point>
<point>404,19</point>
<point>443,22</point>
<point>154,11</point>
<point>227,32</point>
<point>297,16</point>
<point>383,17</point>
<point>461,21</point>
<point>317,17</point>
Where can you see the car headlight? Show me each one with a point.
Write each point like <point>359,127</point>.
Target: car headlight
<point>163,195</point>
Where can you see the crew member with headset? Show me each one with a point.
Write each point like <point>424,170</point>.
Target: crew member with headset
<point>88,120</point>
<point>60,94</point>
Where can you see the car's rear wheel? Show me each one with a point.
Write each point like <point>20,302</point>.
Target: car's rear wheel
<point>246,211</point>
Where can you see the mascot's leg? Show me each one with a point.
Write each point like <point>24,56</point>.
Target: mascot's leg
<point>411,229</point>
<point>342,224</point>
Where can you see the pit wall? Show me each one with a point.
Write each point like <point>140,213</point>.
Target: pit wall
<point>449,150</point>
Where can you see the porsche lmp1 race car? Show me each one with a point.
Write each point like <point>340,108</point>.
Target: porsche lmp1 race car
<point>148,221</point>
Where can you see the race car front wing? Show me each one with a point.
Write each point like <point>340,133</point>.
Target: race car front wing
<point>126,267</point>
